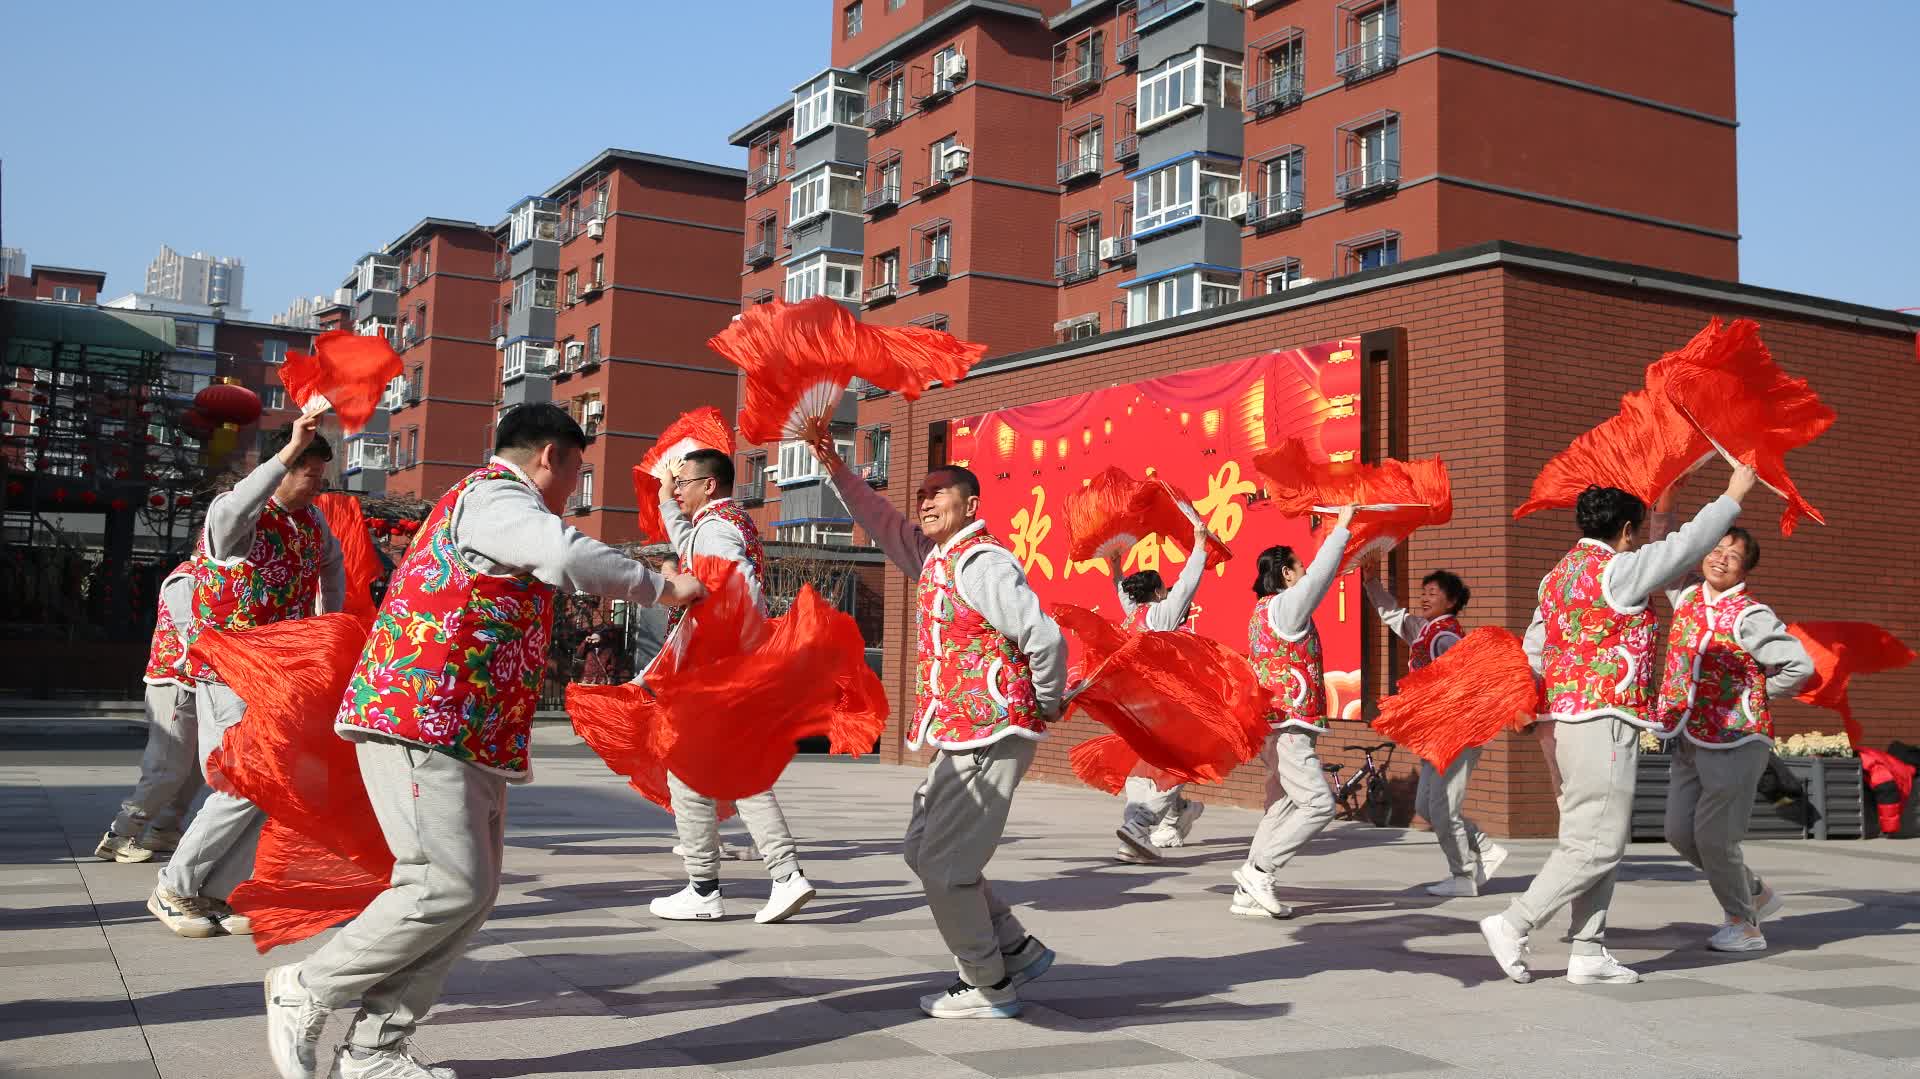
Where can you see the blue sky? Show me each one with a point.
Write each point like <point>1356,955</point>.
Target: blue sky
<point>299,136</point>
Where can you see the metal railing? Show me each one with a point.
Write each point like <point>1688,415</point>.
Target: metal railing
<point>1274,209</point>
<point>880,197</point>
<point>1151,10</point>
<point>926,270</point>
<point>759,296</point>
<point>1126,48</point>
<point>884,114</point>
<point>1368,58</point>
<point>760,252</point>
<point>753,490</point>
<point>1079,77</point>
<point>1370,178</point>
<point>1284,90</point>
<point>1122,248</point>
<point>885,290</point>
<point>1079,166</point>
<point>761,178</point>
<point>1127,148</point>
<point>1079,266</point>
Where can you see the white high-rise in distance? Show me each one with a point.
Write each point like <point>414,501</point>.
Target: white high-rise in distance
<point>197,278</point>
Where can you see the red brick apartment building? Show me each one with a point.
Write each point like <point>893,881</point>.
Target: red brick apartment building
<point>569,298</point>
<point>1516,206</point>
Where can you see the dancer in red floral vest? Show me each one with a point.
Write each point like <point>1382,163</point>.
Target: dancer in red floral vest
<point>703,519</point>
<point>1727,655</point>
<point>265,555</point>
<point>991,674</point>
<point>1472,856</point>
<point>1591,643</point>
<point>1284,645</point>
<point>1154,819</point>
<point>150,819</point>
<point>441,707</point>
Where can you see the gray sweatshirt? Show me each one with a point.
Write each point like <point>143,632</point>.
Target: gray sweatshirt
<point>1759,631</point>
<point>1290,613</point>
<point>991,582</point>
<point>503,529</point>
<point>709,535</point>
<point>232,516</point>
<point>1171,613</point>
<point>1404,623</point>
<point>1633,576</point>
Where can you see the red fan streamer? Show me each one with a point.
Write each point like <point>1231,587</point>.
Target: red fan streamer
<point>1480,687</point>
<point>1115,506</point>
<point>350,371</point>
<point>1404,495</point>
<point>322,857</point>
<point>1180,703</point>
<point>702,428</point>
<point>1841,650</point>
<point>1751,410</point>
<point>349,525</point>
<point>798,360</point>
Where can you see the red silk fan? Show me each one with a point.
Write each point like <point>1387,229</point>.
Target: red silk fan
<point>1841,650</point>
<point>1393,497</point>
<point>1749,409</point>
<point>1187,707</point>
<point>345,372</point>
<point>799,359</point>
<point>1115,507</point>
<point>322,857</point>
<point>1482,685</point>
<point>349,526</point>
<point>703,428</point>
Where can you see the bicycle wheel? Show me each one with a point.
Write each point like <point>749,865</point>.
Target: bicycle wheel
<point>1379,801</point>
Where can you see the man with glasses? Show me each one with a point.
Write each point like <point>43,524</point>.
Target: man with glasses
<point>703,519</point>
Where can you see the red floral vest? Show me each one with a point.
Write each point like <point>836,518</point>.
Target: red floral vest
<point>278,579</point>
<point>1420,652</point>
<point>456,658</point>
<point>1597,661</point>
<point>730,512</point>
<point>1136,620</point>
<point>167,655</point>
<point>1712,686</point>
<point>974,685</point>
<point>1292,669</point>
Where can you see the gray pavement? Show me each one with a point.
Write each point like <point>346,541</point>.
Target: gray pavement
<point>572,977</point>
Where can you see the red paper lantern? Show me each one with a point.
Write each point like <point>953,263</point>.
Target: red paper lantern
<point>183,501</point>
<point>89,497</point>
<point>197,425</point>
<point>156,501</point>
<point>59,494</point>
<point>226,403</point>
<point>117,505</point>
<point>15,488</point>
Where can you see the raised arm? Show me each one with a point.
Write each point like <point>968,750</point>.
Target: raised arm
<point>992,582</point>
<point>505,523</point>
<point>1292,613</point>
<point>1634,575</point>
<point>1778,652</point>
<point>1167,615</point>
<point>678,526</point>
<point>1403,623</point>
<point>900,539</point>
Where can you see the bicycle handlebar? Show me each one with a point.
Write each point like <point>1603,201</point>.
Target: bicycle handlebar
<point>1370,749</point>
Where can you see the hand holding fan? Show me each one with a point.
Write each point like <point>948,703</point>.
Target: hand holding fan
<point>1116,509</point>
<point>344,372</point>
<point>1390,499</point>
<point>703,428</point>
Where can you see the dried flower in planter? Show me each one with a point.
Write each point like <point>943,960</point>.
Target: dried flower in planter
<point>1815,744</point>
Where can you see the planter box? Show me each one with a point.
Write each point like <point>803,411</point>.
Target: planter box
<point>1834,807</point>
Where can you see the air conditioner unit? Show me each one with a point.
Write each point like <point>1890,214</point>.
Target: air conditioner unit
<point>1299,281</point>
<point>575,350</point>
<point>595,409</point>
<point>956,67</point>
<point>1109,249</point>
<point>500,344</point>
<point>1237,206</point>
<point>543,360</point>
<point>955,160</point>
<point>597,227</point>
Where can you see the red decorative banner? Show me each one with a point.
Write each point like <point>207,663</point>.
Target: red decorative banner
<point>1200,431</point>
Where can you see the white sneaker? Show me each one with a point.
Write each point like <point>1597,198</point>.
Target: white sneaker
<point>1602,969</point>
<point>121,848</point>
<point>1244,906</point>
<point>1738,937</point>
<point>1258,886</point>
<point>1508,947</point>
<point>687,905</point>
<point>1766,905</point>
<point>294,1022</point>
<point>398,1062</point>
<point>786,898</point>
<point>187,915</point>
<point>1491,859</point>
<point>1027,962</point>
<point>1175,835</point>
<point>963,1001</point>
<point>1139,841</point>
<point>1455,888</point>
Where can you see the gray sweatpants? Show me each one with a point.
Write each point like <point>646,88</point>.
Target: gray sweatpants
<point>1439,798</point>
<point>446,822</point>
<point>216,852</point>
<point>1596,760</point>
<point>1148,807</point>
<point>959,813</point>
<point>169,768</point>
<point>1709,804</point>
<point>696,819</point>
<point>1299,802</point>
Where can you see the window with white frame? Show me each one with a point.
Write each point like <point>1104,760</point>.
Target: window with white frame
<point>1181,190</point>
<point>833,274</point>
<point>829,187</point>
<point>1187,82</point>
<point>937,156</point>
<point>1084,148</point>
<point>886,268</point>
<point>593,343</point>
<point>534,219</point>
<point>525,356</point>
<point>1180,294</point>
<point>1279,277</point>
<point>797,461</point>
<point>1218,289</point>
<point>946,63</point>
<point>939,244</point>
<point>66,294</point>
<point>833,98</point>
<point>851,26</point>
<point>1282,183</point>
<point>276,398</point>
<point>535,289</point>
<point>274,352</point>
<point>583,495</point>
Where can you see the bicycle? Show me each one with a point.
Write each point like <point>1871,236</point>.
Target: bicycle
<point>1366,791</point>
